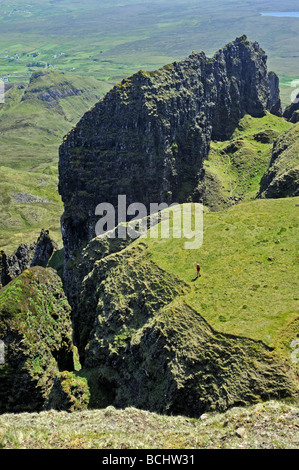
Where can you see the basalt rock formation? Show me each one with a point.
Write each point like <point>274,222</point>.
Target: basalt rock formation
<point>27,255</point>
<point>282,176</point>
<point>291,113</point>
<point>44,249</point>
<point>141,345</point>
<point>148,137</point>
<point>35,328</point>
<point>13,265</point>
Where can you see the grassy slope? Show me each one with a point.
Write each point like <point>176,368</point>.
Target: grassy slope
<point>31,128</point>
<point>235,274</point>
<point>264,426</point>
<point>235,167</point>
<point>21,222</point>
<point>145,37</point>
<point>31,131</point>
<point>249,260</point>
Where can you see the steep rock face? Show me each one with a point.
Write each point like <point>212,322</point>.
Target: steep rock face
<point>44,249</point>
<point>148,137</point>
<point>282,177</point>
<point>291,113</point>
<point>35,327</point>
<point>27,255</point>
<point>145,347</point>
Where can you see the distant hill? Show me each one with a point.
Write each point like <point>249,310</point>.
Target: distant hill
<point>37,115</point>
<point>33,121</point>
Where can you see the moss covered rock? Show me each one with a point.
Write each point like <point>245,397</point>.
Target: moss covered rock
<point>70,392</point>
<point>35,327</point>
<point>148,137</point>
<point>282,176</point>
<point>142,345</point>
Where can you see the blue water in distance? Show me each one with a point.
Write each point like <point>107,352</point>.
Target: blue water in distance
<point>283,14</point>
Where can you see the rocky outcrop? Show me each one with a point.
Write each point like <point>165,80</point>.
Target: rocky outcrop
<point>282,176</point>
<point>35,327</point>
<point>27,255</point>
<point>143,346</point>
<point>148,137</point>
<point>274,101</point>
<point>12,266</point>
<point>44,249</point>
<point>291,113</point>
<point>50,94</point>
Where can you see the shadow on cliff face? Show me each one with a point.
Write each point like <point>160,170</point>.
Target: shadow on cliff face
<point>149,136</point>
<point>141,345</point>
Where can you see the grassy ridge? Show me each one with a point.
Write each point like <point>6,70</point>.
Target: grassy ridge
<point>264,426</point>
<point>222,339</point>
<point>249,260</point>
<point>29,202</point>
<point>34,118</point>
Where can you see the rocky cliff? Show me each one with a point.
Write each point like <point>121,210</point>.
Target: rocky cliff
<point>27,255</point>
<point>35,328</point>
<point>52,93</point>
<point>282,177</point>
<point>148,137</point>
<point>141,344</point>
<point>291,113</point>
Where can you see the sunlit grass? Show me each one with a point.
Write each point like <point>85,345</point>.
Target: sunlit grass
<point>249,268</point>
<point>270,425</point>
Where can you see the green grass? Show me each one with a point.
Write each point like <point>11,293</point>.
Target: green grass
<point>271,425</point>
<point>249,260</point>
<point>119,39</point>
<point>32,124</point>
<point>21,222</point>
<point>234,168</point>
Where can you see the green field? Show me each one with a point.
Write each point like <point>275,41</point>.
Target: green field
<point>33,121</point>
<point>109,40</point>
<point>249,269</point>
<point>235,167</point>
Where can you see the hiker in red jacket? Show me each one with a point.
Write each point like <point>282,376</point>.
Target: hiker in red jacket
<point>198,270</point>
